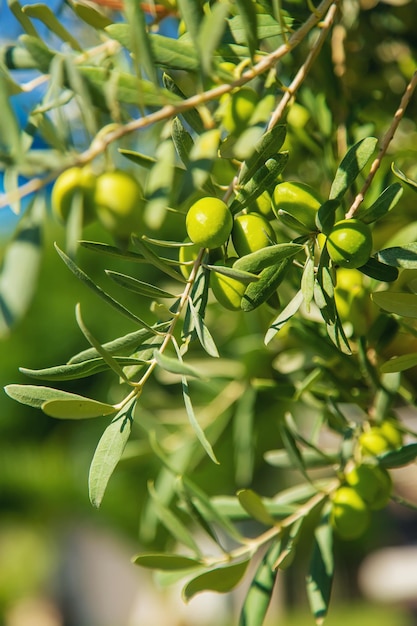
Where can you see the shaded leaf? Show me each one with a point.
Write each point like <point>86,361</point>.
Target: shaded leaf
<point>409,181</point>
<point>261,181</point>
<point>351,165</point>
<point>90,15</point>
<point>380,271</point>
<point>399,363</point>
<point>140,40</point>
<point>156,261</point>
<point>203,332</point>
<point>266,147</point>
<point>325,217</point>
<point>166,562</point>
<point>211,32</point>
<point>182,139</point>
<point>253,504</point>
<point>221,580</point>
<point>109,451</point>
<point>261,290</point>
<point>194,423</point>
<point>43,13</point>
<point>399,458</point>
<point>386,201</point>
<point>404,304</point>
<point>267,26</point>
<point>248,16</point>
<point>74,371</point>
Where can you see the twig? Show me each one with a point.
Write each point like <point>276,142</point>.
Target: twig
<point>384,145</point>
<point>99,146</point>
<point>305,68</point>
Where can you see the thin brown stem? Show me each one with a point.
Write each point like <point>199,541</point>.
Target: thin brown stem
<point>384,145</point>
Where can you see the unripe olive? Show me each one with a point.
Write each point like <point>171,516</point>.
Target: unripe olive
<point>298,201</point>
<point>209,222</point>
<point>74,180</point>
<point>227,291</point>
<point>349,514</point>
<point>238,109</point>
<point>263,205</point>
<point>380,438</point>
<point>188,254</point>
<point>251,232</point>
<point>349,243</point>
<point>119,203</point>
<point>372,482</point>
<point>391,433</point>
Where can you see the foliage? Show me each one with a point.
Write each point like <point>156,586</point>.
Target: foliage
<point>213,394</point>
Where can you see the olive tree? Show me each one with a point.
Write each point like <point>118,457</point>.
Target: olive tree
<point>248,164</point>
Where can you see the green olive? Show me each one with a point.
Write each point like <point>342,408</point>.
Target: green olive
<point>251,232</point>
<point>349,514</point>
<point>296,204</point>
<point>349,243</point>
<point>209,222</point>
<point>227,291</point>
<point>119,203</point>
<point>73,181</point>
<point>372,482</point>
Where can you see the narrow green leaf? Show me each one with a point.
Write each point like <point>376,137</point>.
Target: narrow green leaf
<point>290,310</point>
<point>36,396</point>
<point>155,260</point>
<point>182,139</point>
<point>311,459</point>
<point>140,40</point>
<point>352,164</point>
<point>249,17</point>
<point>271,255</point>
<point>261,181</point>
<point>192,13</point>
<point>244,425</point>
<point>90,15</point>
<point>166,562</point>
<point>76,409</point>
<point>109,451</point>
<point>292,449</point>
<point>127,88</point>
<point>79,273</point>
<point>24,21</point>
<point>259,594</point>
<point>137,157</point>
<point>194,422</point>
<point>380,271</point>
<point>269,280</point>
<point>160,184</point>
<point>43,13</point>
<point>267,26</point>
<point>10,137</point>
<point>221,580</point>
<point>307,282</point>
<point>138,286</point>
<point>400,256</point>
<point>253,504</point>
<point>192,116</point>
<point>233,272</point>
<point>320,576</point>
<point>399,458</point>
<point>201,160</point>
<point>404,304</point>
<point>172,522</point>
<point>326,215</point>
<point>39,52</point>
<point>203,332</point>
<point>338,336</point>
<point>267,146</point>
<point>74,371</point>
<point>125,344</point>
<point>211,32</point>
<point>175,366</point>
<point>411,183</point>
<point>382,205</point>
<point>399,363</point>
<point>20,270</point>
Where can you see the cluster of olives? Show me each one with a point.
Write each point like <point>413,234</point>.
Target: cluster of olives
<point>114,197</point>
<point>366,485</point>
<point>210,224</point>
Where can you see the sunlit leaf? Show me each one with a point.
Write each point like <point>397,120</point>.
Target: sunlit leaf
<point>320,576</point>
<point>43,13</point>
<point>259,291</point>
<point>76,409</point>
<point>259,594</point>
<point>138,286</point>
<point>252,503</point>
<point>399,363</point>
<point>261,181</point>
<point>400,256</point>
<point>386,201</point>
<point>271,255</point>
<point>109,451</point>
<point>175,366</point>
<point>74,371</point>
<point>290,310</point>
<point>400,174</point>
